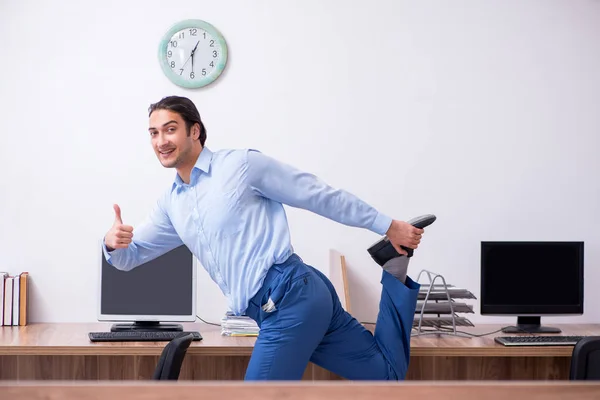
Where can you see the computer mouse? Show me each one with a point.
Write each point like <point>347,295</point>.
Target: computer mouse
<point>382,251</point>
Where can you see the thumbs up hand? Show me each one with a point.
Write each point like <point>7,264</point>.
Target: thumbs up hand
<point>119,236</point>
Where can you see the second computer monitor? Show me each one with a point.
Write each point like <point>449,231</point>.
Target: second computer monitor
<point>530,280</point>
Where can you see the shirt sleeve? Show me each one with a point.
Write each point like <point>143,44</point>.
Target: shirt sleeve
<point>283,183</point>
<point>153,238</point>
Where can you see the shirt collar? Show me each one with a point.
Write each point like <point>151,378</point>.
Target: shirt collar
<point>202,164</point>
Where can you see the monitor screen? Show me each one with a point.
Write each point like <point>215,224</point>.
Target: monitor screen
<point>161,289</point>
<point>532,278</point>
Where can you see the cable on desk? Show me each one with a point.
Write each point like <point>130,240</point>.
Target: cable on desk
<point>463,332</point>
<point>206,322</point>
<point>484,334</point>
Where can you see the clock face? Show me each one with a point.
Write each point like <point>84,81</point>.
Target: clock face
<point>193,54</point>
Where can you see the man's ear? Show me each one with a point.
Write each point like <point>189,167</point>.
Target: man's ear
<point>196,131</point>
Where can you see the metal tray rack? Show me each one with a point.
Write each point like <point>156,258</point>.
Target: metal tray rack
<point>436,311</point>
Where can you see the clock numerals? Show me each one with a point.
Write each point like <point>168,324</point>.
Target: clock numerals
<point>194,55</point>
<point>185,66</point>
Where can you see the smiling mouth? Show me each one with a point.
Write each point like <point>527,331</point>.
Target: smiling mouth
<point>166,153</point>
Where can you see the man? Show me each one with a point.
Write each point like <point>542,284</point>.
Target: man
<point>227,208</point>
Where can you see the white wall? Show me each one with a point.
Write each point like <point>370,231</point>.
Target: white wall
<point>483,112</point>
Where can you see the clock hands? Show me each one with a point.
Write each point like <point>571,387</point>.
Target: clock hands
<point>190,57</point>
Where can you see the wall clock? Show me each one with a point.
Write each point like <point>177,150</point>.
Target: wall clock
<point>192,53</point>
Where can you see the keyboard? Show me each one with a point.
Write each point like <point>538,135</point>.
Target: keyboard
<point>538,340</point>
<point>140,336</point>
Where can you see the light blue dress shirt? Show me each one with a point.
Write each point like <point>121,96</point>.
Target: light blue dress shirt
<point>231,217</point>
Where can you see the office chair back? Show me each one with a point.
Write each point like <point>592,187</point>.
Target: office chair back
<point>171,358</point>
<point>585,359</point>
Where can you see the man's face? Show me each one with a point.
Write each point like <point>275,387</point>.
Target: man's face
<point>170,139</point>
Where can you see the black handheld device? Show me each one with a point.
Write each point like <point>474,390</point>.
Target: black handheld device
<point>383,251</point>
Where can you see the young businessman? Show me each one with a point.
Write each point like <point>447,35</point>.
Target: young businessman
<point>227,208</point>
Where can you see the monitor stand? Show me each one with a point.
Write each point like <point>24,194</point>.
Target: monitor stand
<point>146,326</point>
<point>530,325</point>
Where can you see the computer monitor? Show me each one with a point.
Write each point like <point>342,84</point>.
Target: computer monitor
<point>531,280</point>
<point>160,290</point>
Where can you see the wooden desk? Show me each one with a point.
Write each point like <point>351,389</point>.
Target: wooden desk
<point>300,390</point>
<point>63,351</point>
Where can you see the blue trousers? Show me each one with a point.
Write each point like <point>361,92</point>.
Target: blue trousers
<point>301,319</point>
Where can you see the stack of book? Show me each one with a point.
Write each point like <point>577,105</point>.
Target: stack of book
<point>238,325</point>
<point>14,294</point>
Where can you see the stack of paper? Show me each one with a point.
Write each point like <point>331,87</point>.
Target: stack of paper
<point>238,325</point>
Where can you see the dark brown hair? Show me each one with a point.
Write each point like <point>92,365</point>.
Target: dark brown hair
<point>184,107</point>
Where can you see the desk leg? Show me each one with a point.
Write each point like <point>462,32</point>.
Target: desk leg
<point>234,367</point>
<point>214,368</point>
<point>48,367</point>
<point>489,368</point>
<point>109,368</point>
<point>9,367</point>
